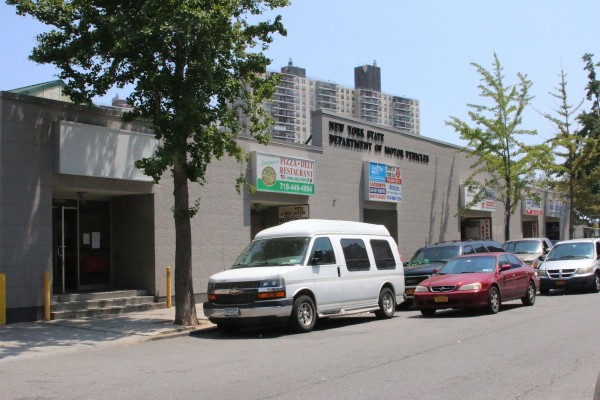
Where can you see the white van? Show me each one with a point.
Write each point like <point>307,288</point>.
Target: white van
<point>305,269</point>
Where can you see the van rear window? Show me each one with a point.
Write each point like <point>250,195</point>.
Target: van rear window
<point>355,253</point>
<point>384,258</point>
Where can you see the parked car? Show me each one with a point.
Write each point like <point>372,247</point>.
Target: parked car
<point>477,280</point>
<point>597,388</point>
<point>571,264</point>
<point>434,256</point>
<point>307,269</point>
<point>528,250</point>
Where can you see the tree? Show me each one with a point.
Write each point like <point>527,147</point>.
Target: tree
<point>502,163</point>
<point>589,183</point>
<point>193,65</point>
<point>567,144</point>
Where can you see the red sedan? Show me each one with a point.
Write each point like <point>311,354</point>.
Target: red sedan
<point>482,280</point>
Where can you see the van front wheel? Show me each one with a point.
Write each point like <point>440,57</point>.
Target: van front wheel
<point>304,315</point>
<point>387,304</point>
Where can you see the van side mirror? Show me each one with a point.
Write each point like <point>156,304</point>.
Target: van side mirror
<point>542,257</point>
<point>504,267</point>
<point>317,257</point>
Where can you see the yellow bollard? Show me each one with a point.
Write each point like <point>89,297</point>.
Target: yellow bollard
<point>2,299</point>
<point>168,287</point>
<point>47,296</point>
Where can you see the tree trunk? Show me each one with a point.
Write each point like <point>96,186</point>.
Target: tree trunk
<point>185,304</point>
<point>571,207</point>
<point>507,222</point>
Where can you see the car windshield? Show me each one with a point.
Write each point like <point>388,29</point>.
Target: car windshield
<point>567,251</point>
<point>523,247</point>
<point>466,265</point>
<point>428,255</point>
<point>273,252</point>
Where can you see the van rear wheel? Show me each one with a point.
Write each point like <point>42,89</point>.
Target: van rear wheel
<point>387,305</point>
<point>304,315</point>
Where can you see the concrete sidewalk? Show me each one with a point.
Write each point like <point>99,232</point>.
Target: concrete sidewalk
<point>31,339</point>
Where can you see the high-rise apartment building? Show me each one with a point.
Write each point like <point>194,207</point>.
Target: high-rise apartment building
<point>296,96</point>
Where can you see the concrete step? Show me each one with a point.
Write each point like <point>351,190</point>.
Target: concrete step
<point>101,303</point>
<point>93,304</point>
<point>71,297</point>
<point>94,312</point>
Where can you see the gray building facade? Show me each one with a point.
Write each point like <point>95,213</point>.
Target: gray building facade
<point>72,204</point>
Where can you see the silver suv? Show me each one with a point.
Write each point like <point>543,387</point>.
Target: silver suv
<point>571,264</point>
<point>528,250</point>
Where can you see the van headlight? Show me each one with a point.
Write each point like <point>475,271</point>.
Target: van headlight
<point>541,272</point>
<point>584,271</point>
<point>211,285</point>
<point>271,283</point>
<point>271,289</point>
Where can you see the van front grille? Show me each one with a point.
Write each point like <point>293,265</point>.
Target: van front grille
<point>561,273</point>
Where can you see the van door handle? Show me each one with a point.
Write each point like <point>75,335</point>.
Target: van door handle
<point>339,274</point>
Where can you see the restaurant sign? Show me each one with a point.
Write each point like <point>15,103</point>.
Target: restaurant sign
<point>283,174</point>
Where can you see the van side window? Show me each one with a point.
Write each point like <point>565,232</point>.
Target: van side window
<point>468,250</point>
<point>384,258</point>
<point>356,255</point>
<point>322,252</point>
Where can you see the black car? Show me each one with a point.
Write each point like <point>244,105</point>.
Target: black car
<point>422,265</point>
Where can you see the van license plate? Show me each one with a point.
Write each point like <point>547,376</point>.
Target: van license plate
<point>410,292</point>
<point>440,299</point>
<point>560,283</point>
<point>231,312</point>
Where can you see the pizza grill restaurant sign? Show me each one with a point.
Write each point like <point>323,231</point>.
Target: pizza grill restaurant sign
<point>383,182</point>
<point>357,138</point>
<point>283,174</point>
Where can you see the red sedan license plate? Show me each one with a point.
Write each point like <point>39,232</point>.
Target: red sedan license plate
<point>560,283</point>
<point>440,299</point>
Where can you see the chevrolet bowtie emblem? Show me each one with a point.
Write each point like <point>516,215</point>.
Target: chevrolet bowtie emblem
<point>234,291</point>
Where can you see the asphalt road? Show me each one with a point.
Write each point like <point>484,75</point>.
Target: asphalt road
<point>548,351</point>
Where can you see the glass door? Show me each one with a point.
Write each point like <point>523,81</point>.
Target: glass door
<point>65,247</point>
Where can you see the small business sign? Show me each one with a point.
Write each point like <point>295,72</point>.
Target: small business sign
<point>487,203</point>
<point>383,182</point>
<point>284,174</point>
<point>532,207</point>
<point>555,208</point>
<point>292,213</point>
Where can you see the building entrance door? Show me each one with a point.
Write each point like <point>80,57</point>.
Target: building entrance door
<point>82,245</point>
<point>65,247</point>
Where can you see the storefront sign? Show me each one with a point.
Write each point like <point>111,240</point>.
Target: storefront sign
<point>292,213</point>
<point>358,138</point>
<point>555,208</point>
<point>487,203</point>
<point>383,182</point>
<point>284,174</point>
<point>532,207</point>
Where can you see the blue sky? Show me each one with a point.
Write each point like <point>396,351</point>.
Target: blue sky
<point>424,49</point>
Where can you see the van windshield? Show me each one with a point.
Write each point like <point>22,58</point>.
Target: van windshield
<point>523,247</point>
<point>273,252</point>
<point>571,251</point>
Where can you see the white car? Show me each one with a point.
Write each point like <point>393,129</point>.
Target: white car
<point>571,264</point>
